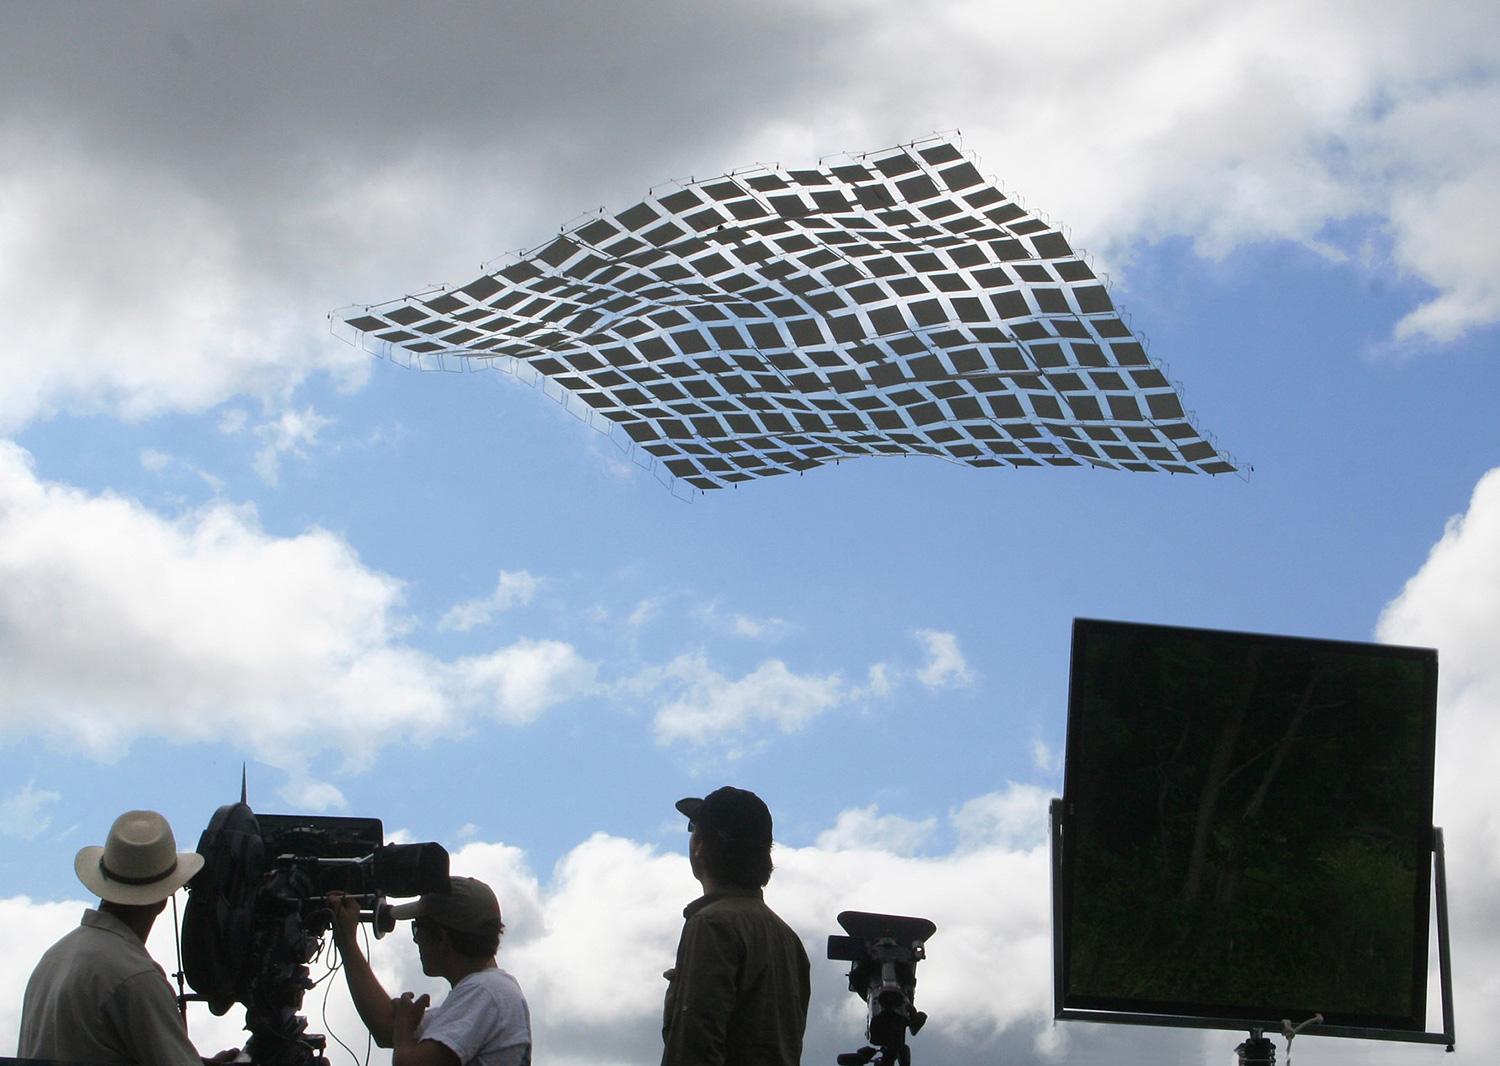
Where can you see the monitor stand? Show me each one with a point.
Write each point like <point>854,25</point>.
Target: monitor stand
<point>1257,1050</point>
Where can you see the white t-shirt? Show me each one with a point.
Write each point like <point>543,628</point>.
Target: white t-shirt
<point>484,1021</point>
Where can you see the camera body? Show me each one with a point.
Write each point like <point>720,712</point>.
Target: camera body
<point>256,914</point>
<point>885,950</point>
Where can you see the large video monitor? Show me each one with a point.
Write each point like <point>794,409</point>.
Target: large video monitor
<point>1245,832</point>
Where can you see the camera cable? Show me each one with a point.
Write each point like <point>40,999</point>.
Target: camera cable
<point>324,944</point>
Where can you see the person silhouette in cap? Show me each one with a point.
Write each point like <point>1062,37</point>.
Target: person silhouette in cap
<point>738,993</point>
<point>96,996</point>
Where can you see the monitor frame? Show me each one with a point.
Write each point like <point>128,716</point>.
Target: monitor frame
<point>1267,1017</point>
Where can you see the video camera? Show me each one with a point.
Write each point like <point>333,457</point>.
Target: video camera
<point>256,913</point>
<point>885,950</point>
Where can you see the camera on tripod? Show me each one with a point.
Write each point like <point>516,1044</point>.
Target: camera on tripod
<point>885,950</point>
<point>256,914</point>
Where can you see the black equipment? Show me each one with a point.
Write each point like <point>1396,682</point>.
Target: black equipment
<point>885,950</point>
<point>1245,836</point>
<point>256,913</point>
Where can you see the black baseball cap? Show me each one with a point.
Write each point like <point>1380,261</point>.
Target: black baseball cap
<point>733,813</point>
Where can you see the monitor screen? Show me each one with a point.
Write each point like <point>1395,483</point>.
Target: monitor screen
<point>1246,827</point>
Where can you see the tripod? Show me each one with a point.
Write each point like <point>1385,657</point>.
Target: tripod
<point>885,1055</point>
<point>1257,1050</point>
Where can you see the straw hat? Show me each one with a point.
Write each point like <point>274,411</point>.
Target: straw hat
<point>139,863</point>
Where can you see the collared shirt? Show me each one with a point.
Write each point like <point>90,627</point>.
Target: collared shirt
<point>738,995</point>
<point>97,996</point>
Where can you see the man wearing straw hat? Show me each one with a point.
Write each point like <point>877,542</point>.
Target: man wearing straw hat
<point>96,996</point>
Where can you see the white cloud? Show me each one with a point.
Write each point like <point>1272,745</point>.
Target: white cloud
<point>1045,759</point>
<point>866,829</point>
<point>518,683</point>
<point>138,289</point>
<point>165,464</point>
<point>627,940</point>
<point>117,622</point>
<point>28,928</point>
<point>155,265</point>
<point>1441,208</point>
<point>992,911</point>
<point>1229,125</point>
<point>877,681</point>
<point>290,433</point>
<point>594,980</point>
<point>645,611</point>
<point>313,796</point>
<point>233,420</point>
<point>945,666</point>
<point>710,706</point>
<point>758,628</point>
<point>155,460</point>
<point>513,588</point>
<point>1453,604</point>
<point>23,813</point>
<point>705,706</point>
<point>740,624</point>
<point>1016,817</point>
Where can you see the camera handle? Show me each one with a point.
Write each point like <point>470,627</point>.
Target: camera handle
<point>375,912</point>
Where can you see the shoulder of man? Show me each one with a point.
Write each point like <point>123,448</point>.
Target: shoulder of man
<point>728,902</point>
<point>741,906</point>
<point>107,947</point>
<point>485,1009</point>
<point>489,993</point>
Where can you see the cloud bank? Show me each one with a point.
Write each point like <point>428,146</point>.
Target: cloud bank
<point>1453,604</point>
<point>162,256</point>
<point>119,622</point>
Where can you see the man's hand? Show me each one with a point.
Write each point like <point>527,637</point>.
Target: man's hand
<point>345,918</point>
<point>407,1051</point>
<point>406,1012</point>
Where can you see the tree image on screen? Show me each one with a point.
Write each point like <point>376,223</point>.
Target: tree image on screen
<point>1249,827</point>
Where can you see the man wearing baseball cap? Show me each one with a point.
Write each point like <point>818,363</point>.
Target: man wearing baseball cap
<point>484,1020</point>
<point>738,994</point>
<point>96,996</point>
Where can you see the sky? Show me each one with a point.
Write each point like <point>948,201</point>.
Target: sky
<point>228,538</point>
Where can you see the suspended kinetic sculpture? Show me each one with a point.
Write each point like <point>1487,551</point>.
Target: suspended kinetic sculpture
<point>768,321</point>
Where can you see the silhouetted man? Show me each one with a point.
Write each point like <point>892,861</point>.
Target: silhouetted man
<point>96,996</point>
<point>484,1021</point>
<point>738,994</point>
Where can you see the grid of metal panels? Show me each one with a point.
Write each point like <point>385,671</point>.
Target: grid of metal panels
<point>776,320</point>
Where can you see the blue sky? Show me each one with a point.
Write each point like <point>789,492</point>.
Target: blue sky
<point>441,600</point>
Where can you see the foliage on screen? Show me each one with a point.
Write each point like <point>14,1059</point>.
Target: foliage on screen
<point>1248,826</point>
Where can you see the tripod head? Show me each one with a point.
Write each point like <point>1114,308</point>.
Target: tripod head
<point>885,950</point>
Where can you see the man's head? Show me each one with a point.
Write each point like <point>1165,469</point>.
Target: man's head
<point>731,837</point>
<point>139,864</point>
<point>465,920</point>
